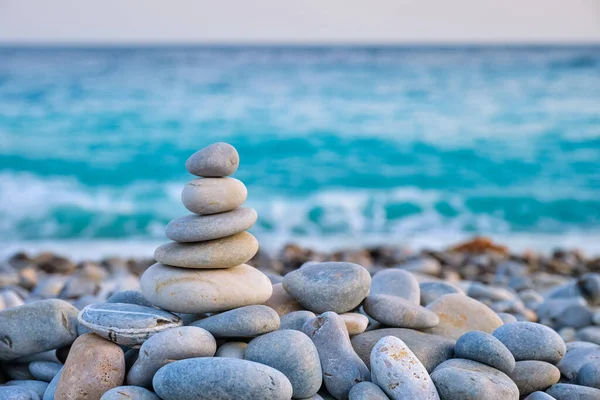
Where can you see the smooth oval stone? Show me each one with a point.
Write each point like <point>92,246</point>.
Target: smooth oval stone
<point>507,318</point>
<point>329,286</point>
<point>356,323</point>
<point>17,393</point>
<point>219,253</point>
<point>575,359</point>
<point>218,159</point>
<point>126,324</point>
<point>36,327</point>
<point>51,389</point>
<point>35,386</point>
<point>431,350</point>
<point>129,393</point>
<point>282,302</point>
<point>531,376</point>
<point>249,321</point>
<point>93,367</point>
<point>292,353</point>
<point>539,396</point>
<point>460,379</point>
<point>486,349</point>
<point>565,391</point>
<point>366,391</point>
<point>460,314</point>
<point>174,344</point>
<point>232,350</point>
<point>213,195</point>
<point>342,367</point>
<point>197,292</point>
<point>580,344</point>
<point>129,297</point>
<point>430,291</point>
<point>399,312</point>
<point>589,334</point>
<point>396,282</point>
<point>44,370</point>
<point>589,374</point>
<point>400,374</point>
<point>199,228</point>
<point>531,341</point>
<point>295,320</point>
<point>219,379</point>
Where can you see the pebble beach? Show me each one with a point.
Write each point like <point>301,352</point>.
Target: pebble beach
<point>210,315</point>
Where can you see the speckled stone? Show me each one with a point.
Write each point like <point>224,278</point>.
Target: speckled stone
<point>199,228</point>
<point>356,323</point>
<point>431,350</point>
<point>219,379</point>
<point>292,353</point>
<point>218,159</point>
<point>93,367</point>
<point>17,393</point>
<point>232,350</point>
<point>399,312</point>
<point>531,341</point>
<point>432,290</point>
<point>342,367</point>
<point>396,370</point>
<point>174,344</point>
<point>248,321</point>
<point>126,324</point>
<point>282,302</point>
<point>460,379</point>
<point>36,327</point>
<point>564,391</point>
<point>396,282</point>
<point>329,286</point>
<point>366,391</point>
<point>213,195</point>
<point>531,376</point>
<point>129,393</point>
<point>129,297</point>
<point>486,349</point>
<point>460,314</point>
<point>576,358</point>
<point>44,370</point>
<point>589,374</point>
<point>196,292</point>
<point>37,387</point>
<point>295,320</point>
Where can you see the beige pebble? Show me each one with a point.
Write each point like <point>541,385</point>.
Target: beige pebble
<point>282,302</point>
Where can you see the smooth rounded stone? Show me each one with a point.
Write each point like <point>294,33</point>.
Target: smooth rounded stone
<point>36,327</point>
<point>248,321</point>
<point>220,379</point>
<point>400,374</point>
<point>565,391</point>
<point>569,312</point>
<point>50,286</point>
<point>460,314</point>
<point>367,391</point>
<point>342,367</point>
<point>17,393</point>
<point>129,297</point>
<point>507,318</point>
<point>396,282</point>
<point>356,323</point>
<point>575,359</point>
<point>539,396</point>
<point>226,252</point>
<point>206,196</point>
<point>292,353</point>
<point>200,228</point>
<point>282,302</point>
<point>129,393</point>
<point>37,387</point>
<point>91,358</point>
<point>531,341</point>
<point>460,379</point>
<point>126,324</point>
<point>480,291</point>
<point>589,334</point>
<point>431,350</point>
<point>44,370</point>
<point>486,349</point>
<point>589,374</point>
<point>295,320</point>
<point>531,376</point>
<point>196,292</point>
<point>174,344</point>
<point>329,286</point>
<point>399,312</point>
<point>51,389</point>
<point>218,159</point>
<point>423,265</point>
<point>232,350</point>
<point>580,344</point>
<point>432,290</point>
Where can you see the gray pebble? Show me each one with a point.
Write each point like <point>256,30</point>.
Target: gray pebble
<point>589,374</point>
<point>220,379</point>
<point>479,291</point>
<point>531,341</point>
<point>199,228</point>
<point>218,159</point>
<point>486,349</point>
<point>432,290</point>
<point>396,282</point>
<point>564,391</point>
<point>249,321</point>
<point>51,389</point>
<point>129,297</point>
<point>213,195</point>
<point>531,376</point>
<point>399,312</point>
<point>295,320</point>
<point>589,334</point>
<point>539,396</point>
<point>422,265</point>
<point>569,312</point>
<point>129,393</point>
<point>37,387</point>
<point>17,393</point>
<point>507,318</point>
<point>232,350</point>
<point>366,391</point>
<point>576,358</point>
<point>329,286</point>
<point>44,370</point>
<point>580,344</point>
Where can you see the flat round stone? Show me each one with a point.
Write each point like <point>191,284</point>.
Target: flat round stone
<point>127,324</point>
<point>398,312</point>
<point>396,282</point>
<point>356,323</point>
<point>199,228</point>
<point>532,341</point>
<point>531,376</point>
<point>218,159</point>
<point>486,349</point>
<point>201,291</point>
<point>44,371</point>
<point>243,322</point>
<point>213,195</point>
<point>219,253</point>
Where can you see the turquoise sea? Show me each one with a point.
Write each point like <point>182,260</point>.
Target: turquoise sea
<point>421,146</point>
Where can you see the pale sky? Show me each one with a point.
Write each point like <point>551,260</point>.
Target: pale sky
<point>299,21</point>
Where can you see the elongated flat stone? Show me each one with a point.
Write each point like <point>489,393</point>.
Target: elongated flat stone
<point>248,321</point>
<point>199,228</point>
<point>218,159</point>
<point>398,312</point>
<point>213,195</point>
<point>532,341</point>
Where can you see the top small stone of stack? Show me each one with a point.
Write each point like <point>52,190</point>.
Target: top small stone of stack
<point>217,160</point>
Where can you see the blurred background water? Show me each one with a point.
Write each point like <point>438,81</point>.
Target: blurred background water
<point>421,146</point>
